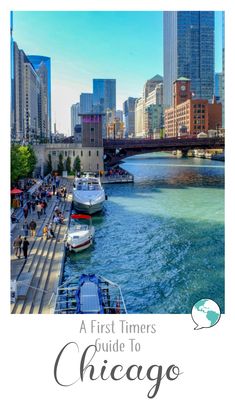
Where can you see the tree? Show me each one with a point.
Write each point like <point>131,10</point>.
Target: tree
<point>61,164</point>
<point>23,161</point>
<point>68,165</point>
<point>77,164</point>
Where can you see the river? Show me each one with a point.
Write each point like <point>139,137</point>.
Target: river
<point>162,238</point>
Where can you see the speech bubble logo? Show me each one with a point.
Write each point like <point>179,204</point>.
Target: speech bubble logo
<point>205,313</point>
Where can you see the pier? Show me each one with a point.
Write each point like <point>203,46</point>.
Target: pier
<point>35,280</point>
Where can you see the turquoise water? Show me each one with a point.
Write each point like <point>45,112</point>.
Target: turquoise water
<point>162,238</point>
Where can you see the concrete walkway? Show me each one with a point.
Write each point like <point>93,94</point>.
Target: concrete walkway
<point>38,277</point>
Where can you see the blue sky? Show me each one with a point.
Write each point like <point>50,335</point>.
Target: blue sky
<point>85,45</point>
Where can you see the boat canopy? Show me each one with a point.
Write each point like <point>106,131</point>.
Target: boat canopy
<point>80,216</point>
<point>88,296</point>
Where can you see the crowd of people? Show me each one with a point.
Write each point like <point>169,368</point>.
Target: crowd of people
<point>116,172</point>
<point>35,206</point>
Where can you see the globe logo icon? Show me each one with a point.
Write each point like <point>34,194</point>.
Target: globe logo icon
<point>205,313</point>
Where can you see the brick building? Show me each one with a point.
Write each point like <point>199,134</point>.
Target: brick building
<point>189,116</point>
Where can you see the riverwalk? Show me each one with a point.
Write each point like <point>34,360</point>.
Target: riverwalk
<point>36,280</point>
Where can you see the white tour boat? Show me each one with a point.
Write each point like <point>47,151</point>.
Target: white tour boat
<point>88,194</point>
<point>79,236</point>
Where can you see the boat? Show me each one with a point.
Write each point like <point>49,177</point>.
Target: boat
<point>79,236</point>
<point>88,194</point>
<point>89,294</point>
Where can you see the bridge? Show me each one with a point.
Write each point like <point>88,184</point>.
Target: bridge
<point>116,150</point>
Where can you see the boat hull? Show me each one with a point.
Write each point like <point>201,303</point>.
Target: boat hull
<point>88,208</point>
<point>80,247</point>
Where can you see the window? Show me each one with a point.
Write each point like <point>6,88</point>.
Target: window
<point>81,153</point>
<point>54,153</point>
<point>92,129</point>
<point>65,153</point>
<point>97,167</point>
<point>89,153</point>
<point>92,140</point>
<point>74,153</point>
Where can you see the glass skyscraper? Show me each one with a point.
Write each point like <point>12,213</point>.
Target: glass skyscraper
<point>104,95</point>
<point>189,52</point>
<point>36,61</point>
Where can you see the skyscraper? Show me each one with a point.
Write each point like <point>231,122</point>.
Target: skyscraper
<point>104,95</point>
<point>129,116</point>
<point>189,52</point>
<point>219,86</point>
<point>42,66</point>
<point>75,119</point>
<point>86,101</point>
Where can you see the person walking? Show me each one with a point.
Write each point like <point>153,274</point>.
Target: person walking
<point>44,206</point>
<point>51,233</point>
<point>39,210</point>
<point>25,247</point>
<point>45,232</point>
<point>26,227</point>
<point>29,206</point>
<point>32,227</point>
<point>65,193</point>
<point>17,246</point>
<point>33,205</point>
<point>25,211</point>
<point>53,188</point>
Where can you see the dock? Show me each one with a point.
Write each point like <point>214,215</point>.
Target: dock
<point>34,281</point>
<point>117,179</point>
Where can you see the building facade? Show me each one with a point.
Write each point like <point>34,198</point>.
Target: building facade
<point>129,116</point>
<point>91,157</point>
<point>31,104</point>
<point>190,116</point>
<point>75,119</point>
<point>189,52</point>
<point>42,66</point>
<point>104,95</point>
<point>92,129</point>
<point>86,102</point>
<point>219,86</point>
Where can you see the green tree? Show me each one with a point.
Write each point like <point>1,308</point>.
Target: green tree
<point>68,165</point>
<point>161,133</point>
<point>61,164</point>
<point>77,164</point>
<point>23,161</point>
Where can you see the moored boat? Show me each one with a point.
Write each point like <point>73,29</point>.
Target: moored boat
<point>79,236</point>
<point>89,294</point>
<point>88,194</point>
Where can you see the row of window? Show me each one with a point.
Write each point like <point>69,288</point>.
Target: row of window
<point>70,153</point>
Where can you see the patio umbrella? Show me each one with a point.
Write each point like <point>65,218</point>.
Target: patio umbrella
<point>16,191</point>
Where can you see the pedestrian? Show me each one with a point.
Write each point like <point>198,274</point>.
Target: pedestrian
<point>21,201</point>
<point>29,205</point>
<point>45,232</point>
<point>25,211</point>
<point>32,227</point>
<point>44,206</point>
<point>33,205</point>
<point>17,246</point>
<point>25,247</point>
<point>39,210</point>
<point>51,233</point>
<point>26,227</point>
<point>65,193</point>
<point>53,188</point>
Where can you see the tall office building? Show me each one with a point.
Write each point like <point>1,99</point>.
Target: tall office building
<point>119,114</point>
<point>17,93</point>
<point>75,119</point>
<point>129,116</point>
<point>42,66</point>
<point>104,95</point>
<point>86,102</point>
<point>31,103</point>
<point>189,52</point>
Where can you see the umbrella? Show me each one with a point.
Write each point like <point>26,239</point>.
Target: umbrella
<point>16,191</point>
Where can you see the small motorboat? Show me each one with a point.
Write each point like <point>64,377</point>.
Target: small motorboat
<point>79,236</point>
<point>89,294</point>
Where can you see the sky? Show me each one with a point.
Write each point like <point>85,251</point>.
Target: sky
<point>82,45</point>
